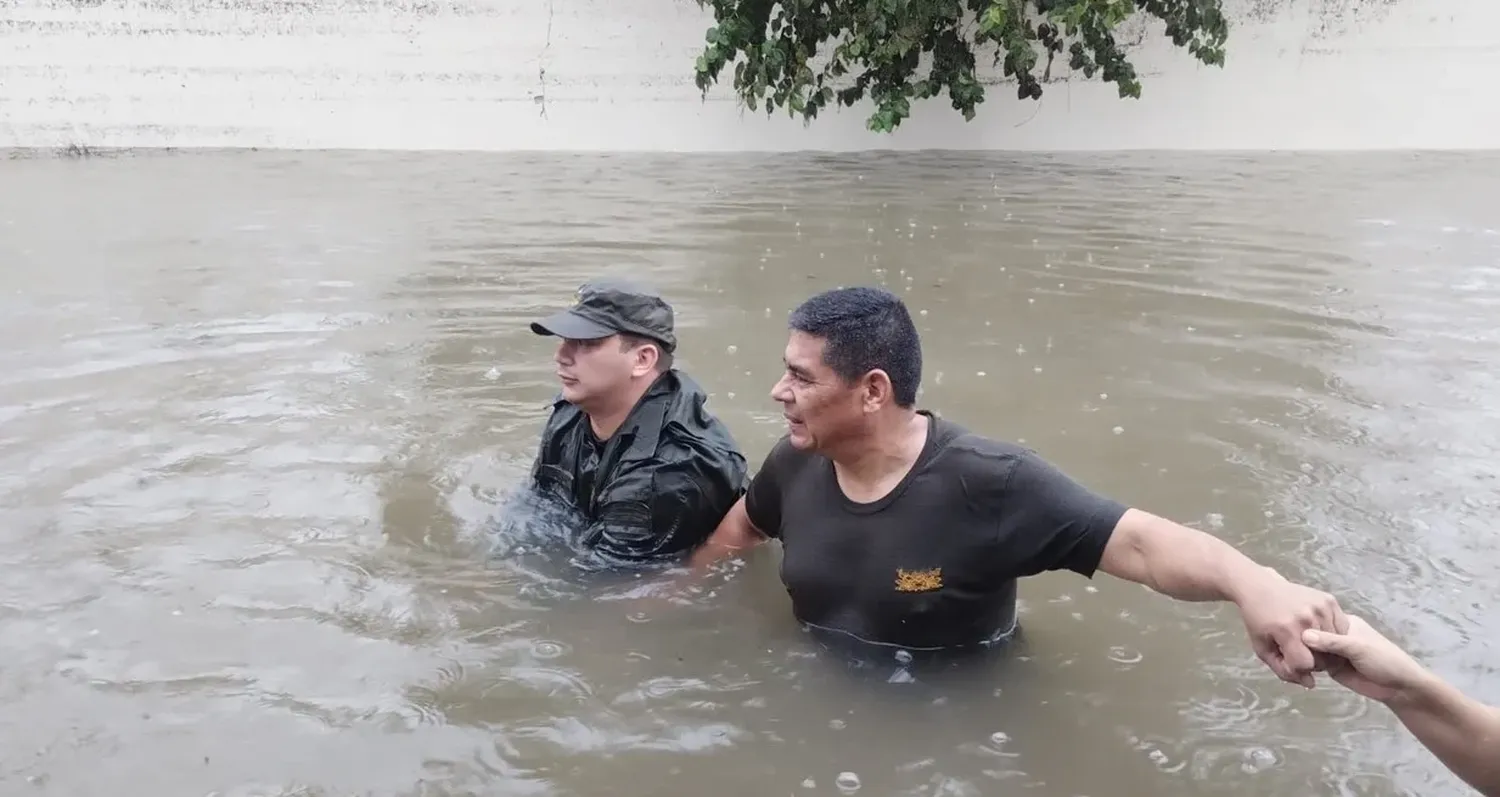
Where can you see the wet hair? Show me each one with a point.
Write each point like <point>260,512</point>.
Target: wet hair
<point>664,358</point>
<point>864,329</point>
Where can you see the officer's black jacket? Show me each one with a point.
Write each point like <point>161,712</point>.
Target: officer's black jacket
<point>658,487</point>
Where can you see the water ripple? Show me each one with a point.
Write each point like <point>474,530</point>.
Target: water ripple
<point>262,416</point>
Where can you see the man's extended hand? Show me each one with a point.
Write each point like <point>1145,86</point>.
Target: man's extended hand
<point>1276,613</point>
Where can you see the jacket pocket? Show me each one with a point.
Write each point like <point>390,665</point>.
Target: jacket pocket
<point>555,481</point>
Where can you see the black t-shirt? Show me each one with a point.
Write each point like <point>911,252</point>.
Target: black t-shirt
<point>934,563</point>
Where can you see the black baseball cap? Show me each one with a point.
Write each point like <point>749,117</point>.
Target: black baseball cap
<point>610,306</point>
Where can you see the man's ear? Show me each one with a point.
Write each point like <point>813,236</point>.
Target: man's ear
<point>646,356</point>
<point>876,390</point>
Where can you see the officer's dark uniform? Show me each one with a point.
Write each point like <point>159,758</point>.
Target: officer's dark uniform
<point>660,485</point>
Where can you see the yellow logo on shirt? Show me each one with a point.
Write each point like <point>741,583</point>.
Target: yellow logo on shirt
<point>919,580</point>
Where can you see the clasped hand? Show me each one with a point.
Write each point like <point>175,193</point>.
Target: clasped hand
<point>1276,612</point>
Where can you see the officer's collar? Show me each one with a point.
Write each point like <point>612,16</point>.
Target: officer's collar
<point>648,416</point>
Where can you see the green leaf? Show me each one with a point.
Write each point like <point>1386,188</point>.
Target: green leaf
<point>895,54</point>
<point>994,18</point>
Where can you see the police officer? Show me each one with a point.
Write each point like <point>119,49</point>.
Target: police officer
<point>630,444</point>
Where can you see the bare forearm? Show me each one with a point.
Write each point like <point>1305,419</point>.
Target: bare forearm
<point>721,546</point>
<point>734,534</point>
<point>1462,732</point>
<point>1179,562</point>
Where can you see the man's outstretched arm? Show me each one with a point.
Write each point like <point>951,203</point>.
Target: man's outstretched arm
<point>1067,526</point>
<point>1191,565</point>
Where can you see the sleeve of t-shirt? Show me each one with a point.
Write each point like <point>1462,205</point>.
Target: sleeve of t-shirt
<point>763,499</point>
<point>1051,522</point>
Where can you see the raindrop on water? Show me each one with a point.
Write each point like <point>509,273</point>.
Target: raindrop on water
<point>1258,759</point>
<point>847,782</point>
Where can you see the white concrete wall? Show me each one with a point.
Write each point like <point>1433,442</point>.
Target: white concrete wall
<point>617,74</point>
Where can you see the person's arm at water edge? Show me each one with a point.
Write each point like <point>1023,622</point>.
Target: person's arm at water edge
<point>1462,732</point>
<point>756,517</point>
<point>735,533</point>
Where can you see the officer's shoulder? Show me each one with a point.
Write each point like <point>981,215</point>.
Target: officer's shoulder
<point>559,411</point>
<point>557,402</point>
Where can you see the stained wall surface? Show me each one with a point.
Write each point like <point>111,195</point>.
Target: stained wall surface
<point>617,75</point>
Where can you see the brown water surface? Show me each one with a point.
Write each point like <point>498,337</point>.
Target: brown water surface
<point>257,411</point>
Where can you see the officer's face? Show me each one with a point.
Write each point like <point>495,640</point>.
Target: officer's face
<point>591,370</point>
<point>821,409</point>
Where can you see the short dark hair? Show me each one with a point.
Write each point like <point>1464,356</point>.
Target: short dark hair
<point>664,358</point>
<point>864,329</point>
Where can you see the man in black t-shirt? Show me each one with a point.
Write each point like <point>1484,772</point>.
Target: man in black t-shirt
<point>900,528</point>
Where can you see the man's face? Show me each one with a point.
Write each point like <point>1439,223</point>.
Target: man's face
<point>821,410</point>
<point>591,370</point>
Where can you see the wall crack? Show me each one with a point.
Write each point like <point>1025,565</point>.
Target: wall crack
<point>541,67</point>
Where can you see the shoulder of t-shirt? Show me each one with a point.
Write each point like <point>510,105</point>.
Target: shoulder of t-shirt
<point>967,453</point>
<point>785,460</point>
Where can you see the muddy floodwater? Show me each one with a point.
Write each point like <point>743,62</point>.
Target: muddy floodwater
<point>258,412</point>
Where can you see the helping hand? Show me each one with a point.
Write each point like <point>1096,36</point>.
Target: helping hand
<point>1277,613</point>
<point>1367,663</point>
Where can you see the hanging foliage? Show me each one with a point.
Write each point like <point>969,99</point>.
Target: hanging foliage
<point>802,55</point>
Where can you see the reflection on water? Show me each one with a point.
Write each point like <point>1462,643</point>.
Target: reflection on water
<point>258,413</point>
